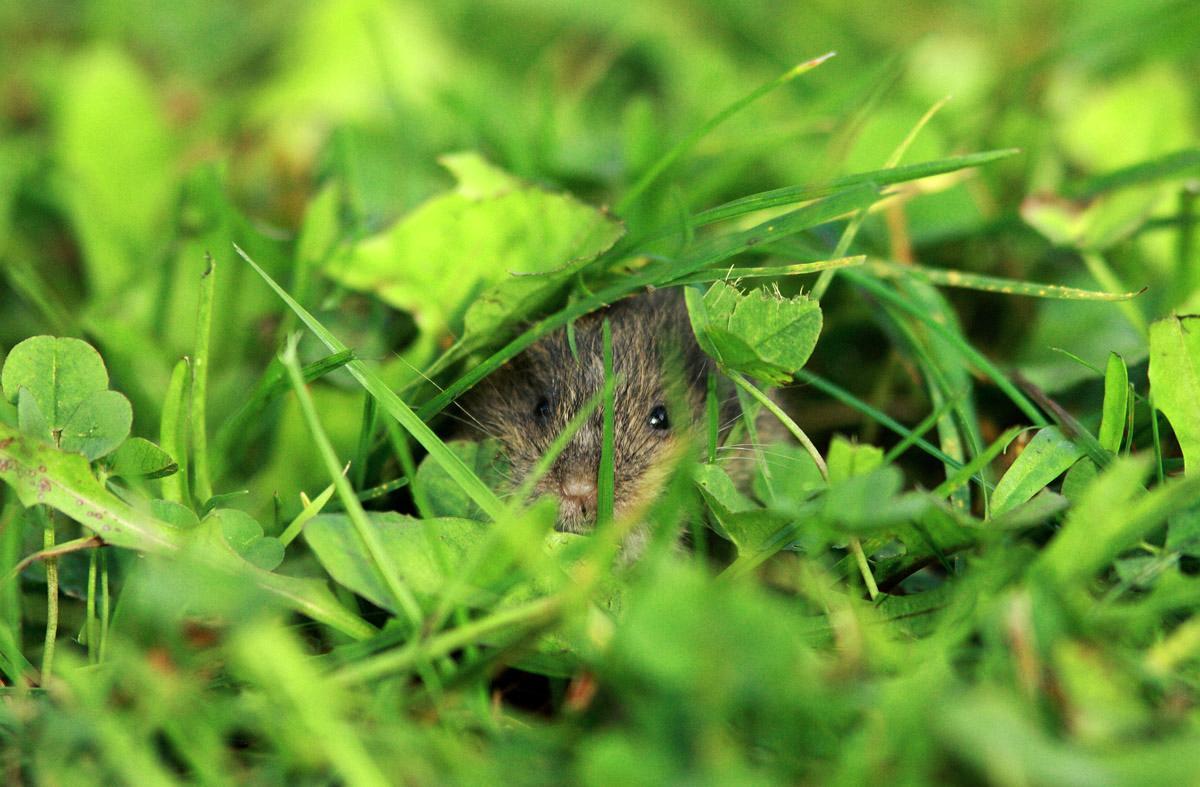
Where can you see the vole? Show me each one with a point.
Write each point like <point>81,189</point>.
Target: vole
<point>660,396</point>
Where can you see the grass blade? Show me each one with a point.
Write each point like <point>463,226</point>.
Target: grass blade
<point>202,483</point>
<point>957,341</point>
<point>790,195</point>
<point>172,433</point>
<point>688,142</point>
<point>394,406</point>
<point>705,254</point>
<point>974,281</point>
<point>383,564</point>
<point>770,271</point>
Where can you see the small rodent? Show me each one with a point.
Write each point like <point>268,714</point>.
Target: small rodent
<point>529,401</point>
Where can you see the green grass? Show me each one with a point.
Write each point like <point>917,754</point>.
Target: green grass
<point>286,235</point>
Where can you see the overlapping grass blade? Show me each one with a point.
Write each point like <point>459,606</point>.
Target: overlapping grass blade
<point>469,482</point>
<point>975,281</point>
<point>705,254</point>
<point>688,142</point>
<point>790,195</point>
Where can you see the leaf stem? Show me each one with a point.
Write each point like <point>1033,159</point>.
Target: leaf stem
<point>784,419</point>
<point>51,598</point>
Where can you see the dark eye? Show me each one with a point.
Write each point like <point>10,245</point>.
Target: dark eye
<point>541,410</point>
<point>658,418</point>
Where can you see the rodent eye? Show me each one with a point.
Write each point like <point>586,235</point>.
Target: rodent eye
<point>658,418</point>
<point>541,410</point>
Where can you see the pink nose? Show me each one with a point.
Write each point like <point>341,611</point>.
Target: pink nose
<point>579,488</point>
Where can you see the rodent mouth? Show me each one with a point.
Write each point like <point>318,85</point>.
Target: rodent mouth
<point>575,516</point>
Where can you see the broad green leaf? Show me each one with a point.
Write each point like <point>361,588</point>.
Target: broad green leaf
<point>42,474</point>
<point>761,334</point>
<point>1116,403</point>
<point>245,536</point>
<point>1078,478</point>
<point>871,502</point>
<point>1175,381</point>
<point>508,302</point>
<point>747,525</point>
<point>98,425</point>
<point>425,552</point>
<point>1095,226</point>
<point>30,417</point>
<point>445,496</point>
<point>795,477</point>
<point>139,458</point>
<point>118,176</point>
<point>1047,456</point>
<point>1111,126</point>
<point>175,514</point>
<point>847,459</point>
<point>58,372</point>
<point>489,227</point>
<point>68,395</point>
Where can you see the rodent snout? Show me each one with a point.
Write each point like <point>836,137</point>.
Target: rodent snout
<point>579,486</point>
<point>577,496</point>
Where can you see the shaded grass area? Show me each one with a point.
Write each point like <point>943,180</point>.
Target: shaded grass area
<point>280,240</point>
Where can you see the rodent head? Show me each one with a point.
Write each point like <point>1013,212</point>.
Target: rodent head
<point>660,395</point>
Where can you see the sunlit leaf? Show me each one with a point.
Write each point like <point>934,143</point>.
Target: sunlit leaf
<point>1175,380</point>
<point>759,333</point>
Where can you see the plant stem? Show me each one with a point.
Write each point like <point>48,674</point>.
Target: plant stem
<point>783,417</point>
<point>51,599</point>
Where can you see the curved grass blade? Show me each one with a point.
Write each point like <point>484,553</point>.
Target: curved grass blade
<point>606,480</point>
<point>401,595</point>
<point>688,142</point>
<point>881,177</point>
<point>851,229</point>
<point>704,254</point>
<point>232,434</point>
<point>853,402</point>
<point>201,479</point>
<point>767,272</point>
<point>957,341</point>
<point>172,434</point>
<point>974,281</point>
<point>1178,164</point>
<point>454,466</point>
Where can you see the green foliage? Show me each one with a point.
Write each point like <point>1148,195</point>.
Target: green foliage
<point>760,334</point>
<point>245,289</point>
<point>61,387</point>
<point>1175,380</point>
<point>492,226</point>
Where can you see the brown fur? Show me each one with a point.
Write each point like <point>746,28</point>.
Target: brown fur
<point>651,336</point>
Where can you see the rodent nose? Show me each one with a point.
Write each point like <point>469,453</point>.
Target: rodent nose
<point>579,488</point>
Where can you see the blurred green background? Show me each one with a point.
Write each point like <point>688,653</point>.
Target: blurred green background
<point>136,136</point>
